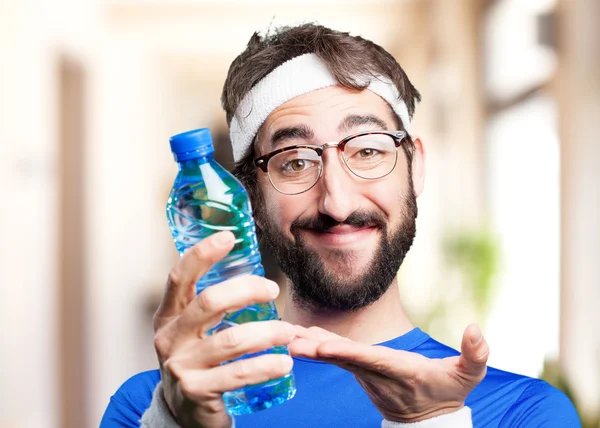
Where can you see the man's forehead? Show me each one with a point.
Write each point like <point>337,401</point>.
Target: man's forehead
<point>337,107</point>
<point>296,77</point>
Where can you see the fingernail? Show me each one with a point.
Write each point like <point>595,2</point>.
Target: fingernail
<point>287,363</point>
<point>223,239</point>
<point>475,340</point>
<point>273,288</point>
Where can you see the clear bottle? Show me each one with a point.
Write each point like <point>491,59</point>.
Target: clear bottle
<point>206,199</point>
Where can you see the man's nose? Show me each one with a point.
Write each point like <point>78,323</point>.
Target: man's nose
<point>338,197</point>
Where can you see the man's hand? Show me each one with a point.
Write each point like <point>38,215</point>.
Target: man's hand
<point>190,360</point>
<point>404,386</point>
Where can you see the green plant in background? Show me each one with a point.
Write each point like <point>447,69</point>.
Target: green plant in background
<point>475,254</point>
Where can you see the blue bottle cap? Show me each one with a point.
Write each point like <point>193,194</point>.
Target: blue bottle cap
<point>191,144</point>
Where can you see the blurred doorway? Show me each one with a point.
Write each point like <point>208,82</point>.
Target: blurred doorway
<point>71,243</point>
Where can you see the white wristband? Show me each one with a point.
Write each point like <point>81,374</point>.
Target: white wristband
<point>159,415</point>
<point>459,419</point>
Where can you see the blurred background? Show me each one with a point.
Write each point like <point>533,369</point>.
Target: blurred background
<point>90,92</point>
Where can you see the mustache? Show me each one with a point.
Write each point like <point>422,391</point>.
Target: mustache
<point>322,223</point>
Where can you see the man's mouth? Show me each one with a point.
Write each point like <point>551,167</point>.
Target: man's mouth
<point>341,235</point>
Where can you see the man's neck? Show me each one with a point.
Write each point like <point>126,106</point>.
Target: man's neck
<point>381,321</point>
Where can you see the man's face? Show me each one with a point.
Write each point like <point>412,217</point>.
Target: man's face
<point>341,242</point>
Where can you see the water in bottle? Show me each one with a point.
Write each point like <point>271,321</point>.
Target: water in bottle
<point>206,199</point>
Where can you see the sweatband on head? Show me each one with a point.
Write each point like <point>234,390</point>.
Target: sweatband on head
<point>298,76</point>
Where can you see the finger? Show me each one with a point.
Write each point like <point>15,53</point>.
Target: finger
<point>360,372</point>
<point>377,358</point>
<point>306,348</point>
<point>308,339</point>
<point>244,339</point>
<point>210,306</point>
<point>203,384</point>
<point>475,352</point>
<point>317,334</point>
<point>181,284</point>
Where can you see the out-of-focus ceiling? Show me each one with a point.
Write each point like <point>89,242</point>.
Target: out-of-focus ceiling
<point>204,36</point>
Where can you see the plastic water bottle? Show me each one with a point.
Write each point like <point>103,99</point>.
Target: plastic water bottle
<point>206,199</point>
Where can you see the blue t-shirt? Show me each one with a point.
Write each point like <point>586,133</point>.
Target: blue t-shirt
<point>328,396</point>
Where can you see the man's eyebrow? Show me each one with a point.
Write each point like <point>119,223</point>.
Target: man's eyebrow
<point>356,120</point>
<point>294,132</point>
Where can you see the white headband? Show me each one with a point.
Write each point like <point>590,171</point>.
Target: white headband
<point>300,75</point>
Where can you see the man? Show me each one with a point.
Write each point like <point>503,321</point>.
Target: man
<point>320,129</point>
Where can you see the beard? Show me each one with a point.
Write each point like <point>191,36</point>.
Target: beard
<point>315,287</point>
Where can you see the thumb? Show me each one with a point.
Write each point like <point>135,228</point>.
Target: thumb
<point>474,353</point>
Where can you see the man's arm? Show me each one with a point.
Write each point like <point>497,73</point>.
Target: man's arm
<point>120,414</point>
<point>130,401</point>
<point>541,405</point>
<point>159,416</point>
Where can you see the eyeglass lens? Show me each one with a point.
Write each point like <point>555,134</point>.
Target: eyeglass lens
<point>367,156</point>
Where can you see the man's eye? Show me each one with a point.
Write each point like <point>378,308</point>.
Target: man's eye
<point>297,165</point>
<point>366,153</point>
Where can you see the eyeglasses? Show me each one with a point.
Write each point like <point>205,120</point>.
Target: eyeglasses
<point>296,169</point>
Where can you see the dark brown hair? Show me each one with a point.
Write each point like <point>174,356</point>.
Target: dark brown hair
<point>346,57</point>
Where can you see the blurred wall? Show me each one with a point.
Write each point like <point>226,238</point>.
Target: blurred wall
<point>151,69</point>
<point>578,85</point>
<point>28,219</point>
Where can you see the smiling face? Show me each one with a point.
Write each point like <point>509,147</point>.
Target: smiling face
<point>341,242</point>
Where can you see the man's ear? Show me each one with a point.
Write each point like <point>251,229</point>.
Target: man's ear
<point>418,166</point>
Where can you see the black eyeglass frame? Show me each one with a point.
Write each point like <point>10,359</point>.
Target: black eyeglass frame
<point>262,162</point>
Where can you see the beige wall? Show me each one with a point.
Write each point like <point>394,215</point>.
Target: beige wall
<point>27,219</point>
<point>579,86</point>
